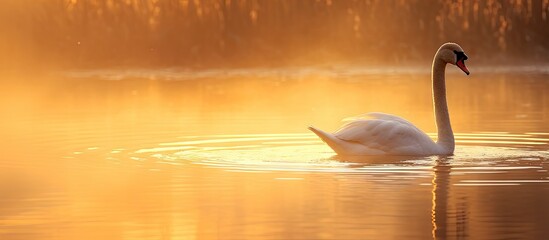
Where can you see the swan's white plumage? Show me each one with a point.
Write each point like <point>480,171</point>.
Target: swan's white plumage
<point>385,134</point>
<point>378,134</point>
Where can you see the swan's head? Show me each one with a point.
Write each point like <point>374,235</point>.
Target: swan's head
<point>453,54</point>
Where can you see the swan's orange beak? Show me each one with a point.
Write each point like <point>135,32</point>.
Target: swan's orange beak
<point>461,65</point>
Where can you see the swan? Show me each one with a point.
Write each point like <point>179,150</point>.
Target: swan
<point>385,134</point>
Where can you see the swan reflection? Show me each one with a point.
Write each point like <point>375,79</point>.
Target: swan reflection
<point>441,203</point>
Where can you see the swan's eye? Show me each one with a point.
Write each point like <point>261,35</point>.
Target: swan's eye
<point>460,61</point>
<point>460,56</point>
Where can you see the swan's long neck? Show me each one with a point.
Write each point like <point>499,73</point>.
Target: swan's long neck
<point>445,134</point>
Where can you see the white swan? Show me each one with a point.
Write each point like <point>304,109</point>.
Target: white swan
<point>385,134</point>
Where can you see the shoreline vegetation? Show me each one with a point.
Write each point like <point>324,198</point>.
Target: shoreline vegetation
<point>262,33</point>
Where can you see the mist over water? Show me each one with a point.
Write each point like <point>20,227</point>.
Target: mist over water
<point>144,154</point>
<point>126,119</point>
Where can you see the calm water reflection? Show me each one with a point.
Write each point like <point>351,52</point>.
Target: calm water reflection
<point>226,156</point>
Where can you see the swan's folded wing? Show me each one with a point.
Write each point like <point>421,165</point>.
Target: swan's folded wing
<point>384,132</point>
<point>381,116</point>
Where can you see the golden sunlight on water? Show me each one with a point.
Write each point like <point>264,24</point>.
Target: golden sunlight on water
<point>226,155</point>
<point>163,119</point>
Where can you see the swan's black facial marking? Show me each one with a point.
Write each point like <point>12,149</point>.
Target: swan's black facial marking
<point>460,61</point>
<point>460,56</point>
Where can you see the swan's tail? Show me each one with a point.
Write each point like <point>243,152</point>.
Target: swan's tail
<point>335,143</point>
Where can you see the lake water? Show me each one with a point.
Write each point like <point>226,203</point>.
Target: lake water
<point>225,154</point>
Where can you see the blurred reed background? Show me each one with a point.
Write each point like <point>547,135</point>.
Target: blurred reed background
<point>187,119</point>
<point>252,33</point>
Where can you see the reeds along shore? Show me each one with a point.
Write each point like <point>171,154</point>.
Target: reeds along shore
<point>265,32</point>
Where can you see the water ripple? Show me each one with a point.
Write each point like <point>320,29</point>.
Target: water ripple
<point>300,152</point>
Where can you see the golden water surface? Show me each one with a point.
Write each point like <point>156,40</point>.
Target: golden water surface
<point>225,154</point>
